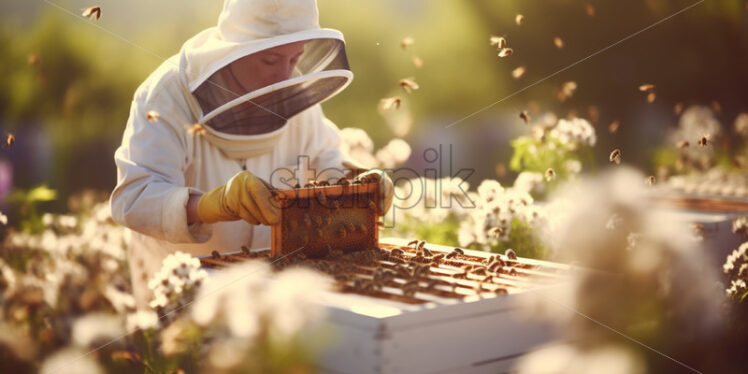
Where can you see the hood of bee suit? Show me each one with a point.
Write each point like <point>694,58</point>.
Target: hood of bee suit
<point>242,116</point>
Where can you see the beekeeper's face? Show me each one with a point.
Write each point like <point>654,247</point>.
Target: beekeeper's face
<point>266,67</point>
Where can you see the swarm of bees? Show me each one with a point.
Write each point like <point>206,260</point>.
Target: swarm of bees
<point>413,273</point>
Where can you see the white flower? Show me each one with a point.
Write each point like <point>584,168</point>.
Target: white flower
<point>179,271</point>
<point>528,181</point>
<point>70,360</point>
<point>394,154</point>
<point>97,328</point>
<point>142,319</point>
<point>574,132</point>
<point>741,125</point>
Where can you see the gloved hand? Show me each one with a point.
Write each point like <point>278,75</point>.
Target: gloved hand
<point>245,197</point>
<point>386,188</point>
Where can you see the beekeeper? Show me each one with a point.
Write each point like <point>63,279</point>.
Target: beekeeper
<point>211,128</point>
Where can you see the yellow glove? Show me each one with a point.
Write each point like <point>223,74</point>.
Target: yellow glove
<point>386,188</point>
<point>243,197</point>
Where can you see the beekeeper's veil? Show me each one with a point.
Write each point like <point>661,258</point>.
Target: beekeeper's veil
<point>266,61</point>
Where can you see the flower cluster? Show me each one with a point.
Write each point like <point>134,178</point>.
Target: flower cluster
<point>736,267</point>
<point>358,146</point>
<point>179,274</point>
<point>574,132</point>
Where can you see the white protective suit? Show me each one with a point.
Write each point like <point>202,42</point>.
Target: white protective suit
<point>161,161</point>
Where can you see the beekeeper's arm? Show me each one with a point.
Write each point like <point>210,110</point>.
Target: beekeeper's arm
<point>325,145</point>
<point>151,196</point>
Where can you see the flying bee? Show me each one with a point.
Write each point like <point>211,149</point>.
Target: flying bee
<point>678,108</point>
<point>550,174</point>
<point>509,253</point>
<point>390,102</point>
<point>506,52</point>
<point>558,42</point>
<point>613,127</point>
<point>92,12</point>
<point>9,140</point>
<point>417,62</point>
<point>518,73</point>
<point>651,97</point>
<point>703,141</point>
<point>519,19</point>
<point>615,156</point>
<point>406,42</point>
<point>152,116</point>
<point>650,180</point>
<point>408,84</point>
<point>525,116</point>
<point>589,9</point>
<point>646,87</point>
<point>498,41</point>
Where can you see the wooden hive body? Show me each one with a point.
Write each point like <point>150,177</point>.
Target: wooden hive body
<point>316,219</point>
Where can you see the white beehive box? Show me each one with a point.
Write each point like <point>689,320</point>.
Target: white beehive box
<point>473,335</point>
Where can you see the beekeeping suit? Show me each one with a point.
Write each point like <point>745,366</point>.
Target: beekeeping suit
<point>194,125</point>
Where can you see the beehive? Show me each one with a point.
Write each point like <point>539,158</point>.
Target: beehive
<point>319,218</point>
<point>466,313</point>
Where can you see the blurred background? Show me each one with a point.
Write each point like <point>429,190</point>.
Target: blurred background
<point>67,81</point>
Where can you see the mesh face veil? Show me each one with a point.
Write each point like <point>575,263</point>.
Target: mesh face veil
<point>258,91</point>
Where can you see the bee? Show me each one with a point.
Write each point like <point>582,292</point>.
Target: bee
<point>91,12</point>
<point>410,243</point>
<point>589,9</point>
<point>417,62</point>
<point>34,59</point>
<point>496,231</point>
<point>152,116</point>
<point>509,253</point>
<point>646,87</point>
<point>495,267</point>
<point>558,42</point>
<point>615,156</point>
<point>420,245</point>
<point>427,253</point>
<point>519,19</point>
<point>245,250</point>
<point>397,252</point>
<point>390,102</point>
<point>717,107</point>
<point>215,255</point>
<point>343,181</point>
<point>683,144</point>
<point>438,257</point>
<point>651,97</point>
<point>498,41</point>
<point>408,84</point>
<point>703,141</point>
<point>650,180</point>
<point>451,255</point>
<point>613,127</point>
<point>458,251</point>
<point>406,42</point>
<point>678,108</point>
<point>500,291</point>
<point>518,73</point>
<point>9,140</point>
<point>524,116</point>
<point>549,174</point>
<point>479,271</point>
<point>506,52</point>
